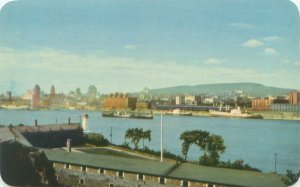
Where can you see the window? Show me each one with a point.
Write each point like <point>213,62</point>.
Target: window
<point>53,164</point>
<point>81,181</point>
<point>83,168</point>
<point>185,183</point>
<point>67,166</point>
<point>111,185</point>
<point>121,174</point>
<point>141,177</point>
<point>161,180</point>
<point>101,171</point>
<point>56,177</point>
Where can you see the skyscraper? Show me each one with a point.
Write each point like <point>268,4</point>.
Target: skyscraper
<point>36,96</point>
<point>52,91</point>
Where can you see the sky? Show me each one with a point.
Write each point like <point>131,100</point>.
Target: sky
<point>126,45</point>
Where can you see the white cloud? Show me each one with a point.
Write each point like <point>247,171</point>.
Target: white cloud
<point>242,25</point>
<point>271,38</point>
<point>297,63</point>
<point>129,47</point>
<point>214,61</point>
<point>252,43</point>
<point>69,70</point>
<point>270,51</point>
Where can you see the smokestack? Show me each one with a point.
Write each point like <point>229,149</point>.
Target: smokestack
<point>69,146</point>
<point>36,123</point>
<point>69,121</point>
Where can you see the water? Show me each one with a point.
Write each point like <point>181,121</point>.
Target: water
<point>253,140</point>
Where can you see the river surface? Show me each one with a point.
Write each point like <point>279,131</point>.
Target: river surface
<point>254,140</point>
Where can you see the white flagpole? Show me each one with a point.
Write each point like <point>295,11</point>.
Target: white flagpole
<point>161,139</point>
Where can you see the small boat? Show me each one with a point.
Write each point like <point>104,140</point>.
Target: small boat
<point>236,112</point>
<point>179,112</point>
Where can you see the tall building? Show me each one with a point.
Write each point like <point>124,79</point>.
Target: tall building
<point>52,91</point>
<point>36,96</point>
<point>294,98</point>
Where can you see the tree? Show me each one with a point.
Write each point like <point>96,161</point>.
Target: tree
<point>215,146</point>
<point>188,140</point>
<point>146,135</point>
<point>291,178</point>
<point>135,134</point>
<point>211,145</point>
<point>196,137</point>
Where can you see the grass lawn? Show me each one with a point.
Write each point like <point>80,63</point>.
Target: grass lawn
<point>105,151</point>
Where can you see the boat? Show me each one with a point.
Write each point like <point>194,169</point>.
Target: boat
<point>235,112</point>
<point>179,112</point>
<point>124,114</point>
<point>14,107</point>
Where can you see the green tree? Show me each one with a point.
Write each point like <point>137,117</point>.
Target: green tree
<point>291,178</point>
<point>135,134</point>
<point>215,146</point>
<point>146,135</point>
<point>188,140</point>
<point>197,137</point>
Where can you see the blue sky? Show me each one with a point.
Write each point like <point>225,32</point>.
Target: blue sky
<point>124,45</point>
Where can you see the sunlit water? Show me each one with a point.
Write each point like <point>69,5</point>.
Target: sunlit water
<point>253,140</point>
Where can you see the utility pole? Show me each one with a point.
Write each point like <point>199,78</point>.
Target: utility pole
<point>275,162</point>
<point>161,139</point>
<point>111,135</point>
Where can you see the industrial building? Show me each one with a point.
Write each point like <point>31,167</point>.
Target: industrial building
<point>119,101</point>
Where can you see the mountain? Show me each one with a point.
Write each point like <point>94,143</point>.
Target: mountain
<point>251,89</point>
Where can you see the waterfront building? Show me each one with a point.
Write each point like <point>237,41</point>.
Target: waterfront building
<point>192,100</point>
<point>36,98</point>
<point>143,105</point>
<point>185,107</point>
<point>105,170</point>
<point>209,100</point>
<point>119,101</point>
<point>261,104</point>
<point>179,100</point>
<point>281,107</point>
<point>294,97</point>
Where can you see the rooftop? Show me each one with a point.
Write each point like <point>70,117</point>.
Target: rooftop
<point>190,172</point>
<point>149,167</point>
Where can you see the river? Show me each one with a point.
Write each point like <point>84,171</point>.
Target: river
<point>254,140</point>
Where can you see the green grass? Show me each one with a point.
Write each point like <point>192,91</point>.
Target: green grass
<point>104,151</point>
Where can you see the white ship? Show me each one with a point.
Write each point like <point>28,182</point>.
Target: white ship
<point>236,112</point>
<point>179,112</point>
<point>14,107</point>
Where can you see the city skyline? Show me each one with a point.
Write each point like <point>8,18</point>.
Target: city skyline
<point>128,45</point>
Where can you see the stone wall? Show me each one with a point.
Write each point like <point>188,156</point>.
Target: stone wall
<point>92,177</point>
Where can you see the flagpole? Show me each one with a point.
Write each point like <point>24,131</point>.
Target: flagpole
<point>161,139</point>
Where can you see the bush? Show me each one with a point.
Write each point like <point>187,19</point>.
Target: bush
<point>95,139</point>
<point>238,164</point>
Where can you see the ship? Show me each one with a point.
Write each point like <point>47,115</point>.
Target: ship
<point>124,114</point>
<point>235,112</point>
<point>14,107</point>
<point>179,112</point>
